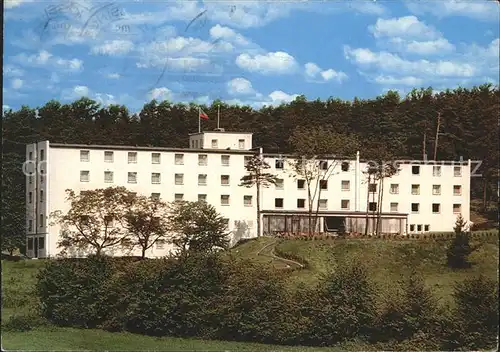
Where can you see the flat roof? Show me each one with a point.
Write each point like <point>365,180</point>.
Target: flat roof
<point>228,132</point>
<point>253,151</point>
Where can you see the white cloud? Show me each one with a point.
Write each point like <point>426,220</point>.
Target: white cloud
<point>44,58</point>
<point>9,4</point>
<point>113,75</point>
<point>17,83</point>
<point>408,27</point>
<point>113,47</point>
<point>430,47</point>
<point>75,93</point>
<point>271,63</point>
<point>279,97</point>
<point>5,107</point>
<point>389,62</point>
<point>12,71</point>
<point>313,71</point>
<point>221,32</point>
<point>160,94</point>
<point>240,86</point>
<point>404,81</point>
<point>480,10</point>
<point>104,99</point>
<point>368,7</point>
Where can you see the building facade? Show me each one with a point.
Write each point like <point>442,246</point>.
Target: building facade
<point>423,196</point>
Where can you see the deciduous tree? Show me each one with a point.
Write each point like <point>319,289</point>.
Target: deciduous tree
<point>95,220</point>
<point>257,176</point>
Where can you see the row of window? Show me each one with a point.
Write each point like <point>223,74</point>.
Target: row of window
<point>436,170</point>
<point>195,143</point>
<point>30,197</point>
<point>419,228</point>
<point>415,189</point>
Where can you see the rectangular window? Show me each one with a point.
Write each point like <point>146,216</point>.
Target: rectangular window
<point>155,158</point>
<point>346,185</point>
<point>30,197</point>
<point>241,144</point>
<point>419,228</point>
<point>41,196</point>
<point>279,163</point>
<point>457,208</point>
<point>179,159</point>
<point>160,244</point>
<point>202,180</point>
<point>372,187</point>
<point>415,190</point>
<point>394,207</point>
<point>457,171</point>
<point>457,190</point>
<point>42,155</point>
<point>196,144</point>
<point>179,179</point>
<point>301,184</point>
<point>41,220</point>
<point>412,228</point>
<point>108,157</point>
<point>178,197</point>
<point>344,166</point>
<point>278,202</point>
<point>84,156</point>
<point>202,197</point>
<point>436,208</point>
<point>323,164</point>
<point>323,204</point>
<point>394,188</point>
<point>427,228</point>
<point>108,176</point>
<point>436,171</point>
<point>155,178</point>
<point>301,203</point>
<point>224,199</point>
<point>224,160</point>
<point>192,144</point>
<point>132,157</point>
<point>415,207</point>
<point>345,204</point>
<point>323,184</point>
<point>247,201</point>
<point>41,242</point>
<point>202,160</point>
<point>372,206</point>
<point>224,180</point>
<point>30,225</point>
<point>155,196</point>
<point>132,177</point>
<point>280,183</point>
<point>215,143</point>
<point>30,178</point>
<point>415,170</point>
<point>84,176</point>
<point>436,190</point>
<point>31,156</point>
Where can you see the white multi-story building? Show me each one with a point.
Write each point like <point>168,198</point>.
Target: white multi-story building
<point>423,196</point>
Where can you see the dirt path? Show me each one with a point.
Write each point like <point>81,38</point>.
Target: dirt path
<point>273,255</point>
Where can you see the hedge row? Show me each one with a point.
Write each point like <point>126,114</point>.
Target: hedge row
<point>220,298</point>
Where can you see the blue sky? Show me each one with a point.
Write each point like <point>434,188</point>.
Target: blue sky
<point>257,53</point>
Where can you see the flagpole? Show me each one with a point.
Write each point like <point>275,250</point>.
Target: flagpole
<point>218,115</point>
<point>199,120</point>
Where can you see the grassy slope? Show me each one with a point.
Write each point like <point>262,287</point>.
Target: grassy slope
<point>387,260</point>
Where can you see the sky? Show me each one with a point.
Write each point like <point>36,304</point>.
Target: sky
<point>253,53</point>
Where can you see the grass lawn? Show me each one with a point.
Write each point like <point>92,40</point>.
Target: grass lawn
<point>387,261</point>
<point>51,339</point>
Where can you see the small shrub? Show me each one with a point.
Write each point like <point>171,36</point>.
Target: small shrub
<point>23,322</point>
<point>459,250</point>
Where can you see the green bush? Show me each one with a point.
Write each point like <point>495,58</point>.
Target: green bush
<point>411,314</point>
<point>23,322</point>
<point>474,320</point>
<point>344,307</point>
<point>70,290</point>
